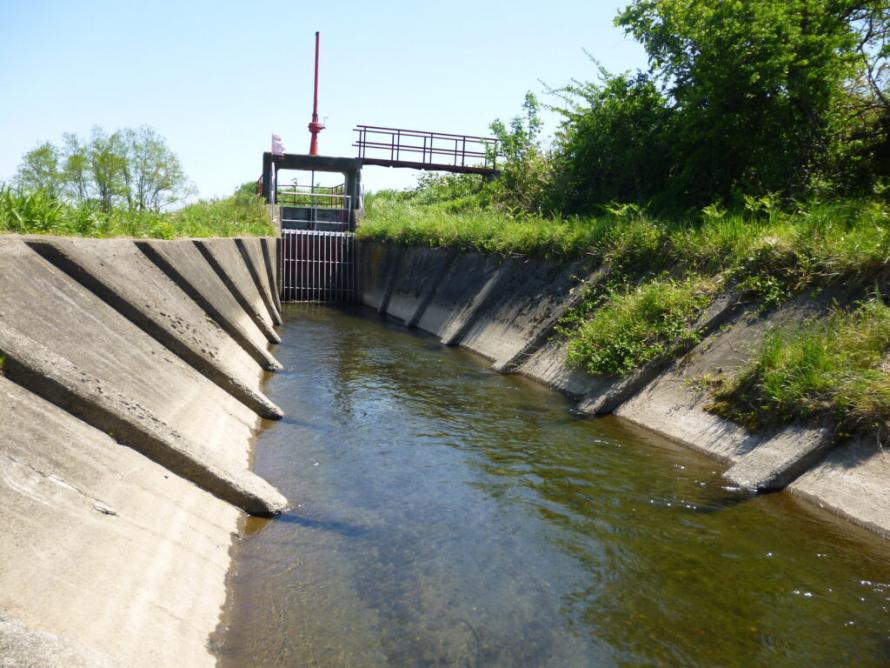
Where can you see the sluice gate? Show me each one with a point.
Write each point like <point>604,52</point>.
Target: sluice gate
<point>318,266</point>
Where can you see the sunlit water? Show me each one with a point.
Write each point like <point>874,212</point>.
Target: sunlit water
<point>446,515</point>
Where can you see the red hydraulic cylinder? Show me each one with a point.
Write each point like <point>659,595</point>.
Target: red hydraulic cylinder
<point>315,127</point>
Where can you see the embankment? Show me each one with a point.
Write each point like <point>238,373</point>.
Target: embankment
<point>507,309</point>
<point>129,398</point>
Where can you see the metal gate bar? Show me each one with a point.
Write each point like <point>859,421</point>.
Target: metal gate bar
<point>318,266</point>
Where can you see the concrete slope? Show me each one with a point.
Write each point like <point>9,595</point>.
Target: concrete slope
<point>550,365</point>
<point>605,401</point>
<point>117,272</point>
<point>420,274</point>
<point>67,345</point>
<point>226,260</point>
<point>186,266</point>
<point>852,480</point>
<point>271,248</point>
<point>107,558</point>
<point>522,311</point>
<point>252,254</point>
<point>462,290</point>
<point>675,403</point>
<point>378,269</point>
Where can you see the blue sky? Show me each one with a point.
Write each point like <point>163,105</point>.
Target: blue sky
<point>217,78</point>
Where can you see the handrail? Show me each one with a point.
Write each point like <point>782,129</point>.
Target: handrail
<point>294,195</point>
<point>405,131</point>
<point>460,148</point>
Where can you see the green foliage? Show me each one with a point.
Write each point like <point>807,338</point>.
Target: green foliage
<point>523,185</point>
<point>752,84</point>
<point>836,369</point>
<point>131,168</point>
<point>756,98</point>
<point>38,212</point>
<point>614,143</point>
<point>40,170</point>
<point>638,325</point>
<point>395,218</point>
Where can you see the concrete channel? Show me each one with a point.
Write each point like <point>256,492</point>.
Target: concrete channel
<point>131,395</point>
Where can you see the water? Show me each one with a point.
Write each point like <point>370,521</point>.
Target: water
<point>449,516</point>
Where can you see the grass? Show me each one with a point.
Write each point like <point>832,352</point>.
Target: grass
<point>814,243</point>
<point>837,370</point>
<point>485,229</point>
<point>38,213</point>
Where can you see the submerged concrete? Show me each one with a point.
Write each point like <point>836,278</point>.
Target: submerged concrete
<point>507,308</point>
<point>127,411</point>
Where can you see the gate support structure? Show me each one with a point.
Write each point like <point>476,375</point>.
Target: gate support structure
<point>350,168</point>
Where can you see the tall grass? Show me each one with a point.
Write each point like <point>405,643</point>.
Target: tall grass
<point>38,213</point>
<point>814,243</point>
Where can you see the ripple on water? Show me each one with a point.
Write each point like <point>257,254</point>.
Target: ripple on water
<point>449,516</point>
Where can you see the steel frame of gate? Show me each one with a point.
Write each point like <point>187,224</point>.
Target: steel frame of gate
<point>318,266</point>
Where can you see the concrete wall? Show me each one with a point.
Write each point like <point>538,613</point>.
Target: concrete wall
<point>129,398</point>
<point>506,310</point>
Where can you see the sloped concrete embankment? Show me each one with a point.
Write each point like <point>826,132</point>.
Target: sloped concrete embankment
<point>129,397</point>
<point>507,309</point>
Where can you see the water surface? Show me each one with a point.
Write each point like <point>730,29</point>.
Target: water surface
<point>446,515</point>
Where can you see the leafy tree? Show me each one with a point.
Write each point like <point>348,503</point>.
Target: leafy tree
<point>153,176</point>
<point>524,181</point>
<point>753,85</point>
<point>39,170</point>
<point>130,168</point>
<point>107,159</point>
<point>76,178</point>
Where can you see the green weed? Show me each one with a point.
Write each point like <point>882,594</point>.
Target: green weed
<point>39,213</point>
<point>639,325</point>
<point>835,369</point>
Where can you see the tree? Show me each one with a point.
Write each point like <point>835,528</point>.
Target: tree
<point>130,168</point>
<point>75,175</point>
<point>39,170</point>
<point>753,84</point>
<point>615,143</point>
<point>107,159</point>
<point>525,176</point>
<point>153,175</point>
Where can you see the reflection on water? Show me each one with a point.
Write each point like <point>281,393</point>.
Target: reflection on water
<point>449,516</point>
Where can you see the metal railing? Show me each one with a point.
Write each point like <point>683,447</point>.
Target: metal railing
<point>426,150</point>
<point>315,207</point>
<point>324,197</point>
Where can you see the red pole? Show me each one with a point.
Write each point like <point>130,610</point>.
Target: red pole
<point>315,127</point>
